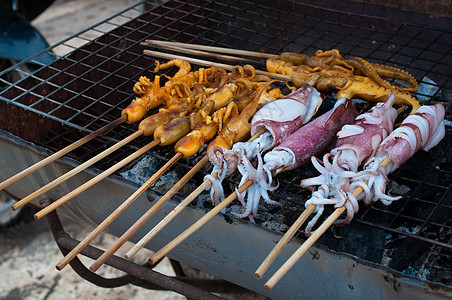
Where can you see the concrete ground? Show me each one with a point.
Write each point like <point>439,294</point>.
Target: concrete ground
<point>28,253</point>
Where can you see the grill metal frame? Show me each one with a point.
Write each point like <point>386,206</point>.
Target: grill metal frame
<point>88,87</point>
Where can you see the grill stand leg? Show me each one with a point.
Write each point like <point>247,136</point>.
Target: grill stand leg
<point>139,275</point>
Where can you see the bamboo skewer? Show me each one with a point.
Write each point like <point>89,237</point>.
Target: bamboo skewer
<point>213,49</point>
<point>160,203</point>
<point>157,228</point>
<point>313,238</point>
<point>193,195</point>
<point>49,159</point>
<point>210,63</point>
<point>303,248</point>
<point>283,242</point>
<point>203,53</point>
<point>95,180</point>
<point>179,239</point>
<point>101,227</point>
<point>76,170</point>
<point>144,218</point>
<point>126,204</point>
<point>61,152</point>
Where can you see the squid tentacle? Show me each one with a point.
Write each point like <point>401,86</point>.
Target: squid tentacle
<point>216,187</point>
<point>356,142</point>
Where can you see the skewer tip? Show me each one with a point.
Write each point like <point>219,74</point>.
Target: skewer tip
<point>94,267</point>
<point>36,216</point>
<point>152,260</point>
<point>257,275</point>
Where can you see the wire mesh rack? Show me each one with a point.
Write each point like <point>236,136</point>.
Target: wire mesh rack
<point>88,87</point>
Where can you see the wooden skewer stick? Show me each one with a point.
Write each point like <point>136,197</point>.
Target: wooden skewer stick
<point>203,53</point>
<point>214,49</point>
<point>130,200</point>
<point>144,218</point>
<point>95,180</point>
<point>61,152</point>
<point>193,195</point>
<point>211,64</point>
<point>313,238</point>
<point>76,170</point>
<point>157,228</point>
<point>179,239</point>
<point>283,242</point>
<point>101,227</point>
<point>303,248</point>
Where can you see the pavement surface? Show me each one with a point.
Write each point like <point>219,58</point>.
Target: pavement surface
<point>28,252</point>
<point>28,255</point>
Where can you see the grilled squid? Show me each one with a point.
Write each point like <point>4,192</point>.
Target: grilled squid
<point>235,129</point>
<point>148,99</point>
<point>189,98</point>
<point>277,119</point>
<point>205,130</point>
<point>293,152</point>
<point>421,131</point>
<point>227,112</point>
<point>349,78</point>
<point>356,142</point>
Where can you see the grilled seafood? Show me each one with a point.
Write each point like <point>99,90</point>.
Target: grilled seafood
<point>421,131</point>
<point>294,151</point>
<point>148,99</point>
<point>242,89</point>
<point>277,120</point>
<point>350,78</point>
<point>190,99</point>
<point>236,129</point>
<point>356,142</point>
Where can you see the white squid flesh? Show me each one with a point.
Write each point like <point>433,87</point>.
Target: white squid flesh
<point>294,151</point>
<point>356,142</point>
<point>279,118</point>
<point>420,131</point>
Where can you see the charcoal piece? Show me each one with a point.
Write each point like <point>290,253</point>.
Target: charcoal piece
<point>360,240</point>
<point>407,252</point>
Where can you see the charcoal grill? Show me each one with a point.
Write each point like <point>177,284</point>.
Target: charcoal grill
<point>403,250</point>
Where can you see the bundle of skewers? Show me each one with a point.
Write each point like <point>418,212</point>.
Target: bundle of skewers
<point>227,104</point>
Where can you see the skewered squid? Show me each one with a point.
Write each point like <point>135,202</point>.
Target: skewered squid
<point>243,93</point>
<point>350,78</point>
<point>151,94</point>
<point>356,142</point>
<point>294,151</point>
<point>278,119</point>
<point>190,99</point>
<point>235,129</point>
<point>332,59</point>
<point>421,131</point>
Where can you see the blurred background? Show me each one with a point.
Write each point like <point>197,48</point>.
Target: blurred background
<point>28,252</point>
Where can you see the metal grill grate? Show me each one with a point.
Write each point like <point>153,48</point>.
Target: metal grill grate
<point>87,88</point>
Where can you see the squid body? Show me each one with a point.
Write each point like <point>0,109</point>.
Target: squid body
<point>311,139</point>
<point>420,131</point>
<point>278,119</point>
<point>355,143</point>
<point>339,172</point>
